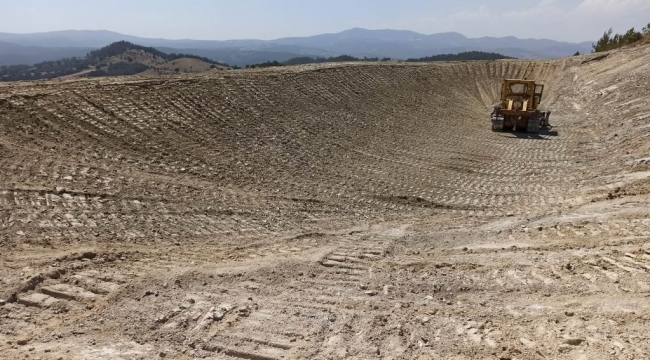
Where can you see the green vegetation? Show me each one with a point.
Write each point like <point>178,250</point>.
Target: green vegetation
<point>343,58</point>
<point>94,60</point>
<point>120,69</point>
<point>611,41</point>
<point>463,56</point>
<point>120,47</point>
<point>264,65</point>
<point>310,60</point>
<point>44,70</point>
<point>471,55</point>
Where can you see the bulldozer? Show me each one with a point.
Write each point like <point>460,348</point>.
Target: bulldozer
<point>518,109</point>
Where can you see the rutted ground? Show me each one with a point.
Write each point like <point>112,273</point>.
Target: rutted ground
<point>359,211</point>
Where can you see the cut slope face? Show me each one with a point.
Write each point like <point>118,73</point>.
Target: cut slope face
<point>346,210</point>
<point>330,143</point>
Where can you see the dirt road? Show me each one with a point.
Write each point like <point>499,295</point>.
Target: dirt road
<point>334,211</point>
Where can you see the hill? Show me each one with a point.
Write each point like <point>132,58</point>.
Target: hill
<point>119,58</point>
<point>396,44</point>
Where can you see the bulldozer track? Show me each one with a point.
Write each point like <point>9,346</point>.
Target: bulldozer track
<point>331,211</point>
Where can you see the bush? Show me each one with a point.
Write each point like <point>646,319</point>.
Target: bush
<point>646,30</point>
<point>577,53</point>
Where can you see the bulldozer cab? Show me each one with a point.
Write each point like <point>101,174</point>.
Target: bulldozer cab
<point>521,95</point>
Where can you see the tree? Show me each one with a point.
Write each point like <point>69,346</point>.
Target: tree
<point>604,42</point>
<point>577,53</point>
<point>610,41</point>
<point>631,36</point>
<point>646,30</point>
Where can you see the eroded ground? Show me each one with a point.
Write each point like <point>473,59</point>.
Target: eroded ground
<point>326,212</point>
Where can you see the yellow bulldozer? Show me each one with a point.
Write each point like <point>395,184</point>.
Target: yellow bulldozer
<point>519,107</point>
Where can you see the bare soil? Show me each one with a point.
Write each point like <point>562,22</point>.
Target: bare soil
<point>331,211</point>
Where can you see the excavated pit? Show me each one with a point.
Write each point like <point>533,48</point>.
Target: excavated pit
<point>346,210</point>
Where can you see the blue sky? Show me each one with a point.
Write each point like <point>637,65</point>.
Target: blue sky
<point>571,20</point>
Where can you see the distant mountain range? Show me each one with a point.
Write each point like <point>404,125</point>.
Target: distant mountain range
<point>396,44</point>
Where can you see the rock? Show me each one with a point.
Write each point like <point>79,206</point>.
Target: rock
<point>569,313</point>
<point>372,350</point>
<point>475,338</point>
<point>335,347</point>
<point>217,315</point>
<point>23,341</point>
<point>226,307</point>
<point>162,354</point>
<point>527,343</point>
<point>244,311</point>
<point>491,343</point>
<point>370,292</point>
<point>574,341</point>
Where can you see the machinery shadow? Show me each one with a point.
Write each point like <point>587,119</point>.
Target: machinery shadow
<point>534,136</point>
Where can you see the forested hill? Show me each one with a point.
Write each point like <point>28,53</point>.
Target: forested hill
<point>119,58</point>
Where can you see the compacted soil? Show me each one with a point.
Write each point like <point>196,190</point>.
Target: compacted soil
<point>334,211</point>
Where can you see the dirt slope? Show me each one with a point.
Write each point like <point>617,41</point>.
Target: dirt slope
<point>330,211</point>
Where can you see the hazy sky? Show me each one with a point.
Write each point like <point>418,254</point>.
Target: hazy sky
<point>571,20</point>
